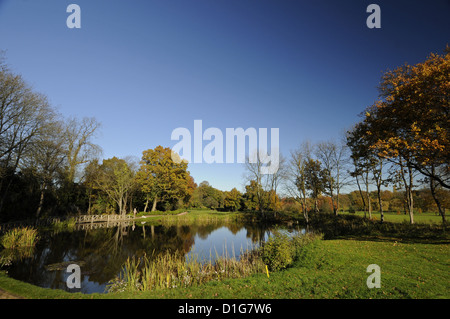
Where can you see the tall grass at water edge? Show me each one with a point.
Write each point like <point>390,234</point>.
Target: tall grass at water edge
<point>19,238</point>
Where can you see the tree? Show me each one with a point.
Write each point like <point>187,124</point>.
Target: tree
<point>415,105</point>
<point>47,156</point>
<point>250,197</point>
<point>296,181</point>
<point>91,175</point>
<point>80,148</point>
<point>116,179</point>
<point>23,115</point>
<point>266,184</point>
<point>232,200</point>
<point>377,173</point>
<point>325,153</point>
<point>315,180</point>
<point>162,178</point>
<point>333,158</point>
<point>409,125</point>
<point>367,162</point>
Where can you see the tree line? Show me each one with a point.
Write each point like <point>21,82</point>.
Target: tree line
<point>41,152</point>
<point>49,164</point>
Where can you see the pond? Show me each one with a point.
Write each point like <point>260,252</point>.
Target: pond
<point>101,253</point>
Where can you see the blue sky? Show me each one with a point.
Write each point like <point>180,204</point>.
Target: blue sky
<point>144,68</point>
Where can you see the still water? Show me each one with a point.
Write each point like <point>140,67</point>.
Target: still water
<point>100,253</point>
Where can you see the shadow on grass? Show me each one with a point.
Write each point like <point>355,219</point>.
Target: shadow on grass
<point>360,228</point>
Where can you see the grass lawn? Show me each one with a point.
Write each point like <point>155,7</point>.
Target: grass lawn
<point>421,218</point>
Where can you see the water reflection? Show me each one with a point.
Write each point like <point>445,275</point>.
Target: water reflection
<point>100,253</point>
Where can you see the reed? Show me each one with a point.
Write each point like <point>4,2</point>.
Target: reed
<point>19,238</point>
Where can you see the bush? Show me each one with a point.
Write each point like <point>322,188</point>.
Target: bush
<point>281,251</point>
<point>277,252</point>
<point>351,210</point>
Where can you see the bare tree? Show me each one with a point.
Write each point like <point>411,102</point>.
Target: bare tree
<point>267,184</point>
<point>23,114</point>
<point>80,148</point>
<point>46,156</point>
<point>334,159</point>
<point>326,153</point>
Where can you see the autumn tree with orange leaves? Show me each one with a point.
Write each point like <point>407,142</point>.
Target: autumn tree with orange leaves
<point>410,124</point>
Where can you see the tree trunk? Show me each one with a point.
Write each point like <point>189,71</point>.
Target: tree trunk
<point>89,204</point>
<point>332,203</point>
<point>409,197</point>
<point>337,189</point>
<point>146,204</point>
<point>155,200</point>
<point>124,207</point>
<point>379,179</point>
<point>362,196</point>
<point>380,203</point>
<point>438,203</point>
<point>337,202</point>
<point>41,201</point>
<point>411,207</point>
<point>316,206</point>
<point>436,199</point>
<point>369,206</point>
<point>305,210</point>
<point>119,202</point>
<point>408,191</point>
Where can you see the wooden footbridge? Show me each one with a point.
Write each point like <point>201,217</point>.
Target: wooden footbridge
<point>86,222</point>
<point>81,222</point>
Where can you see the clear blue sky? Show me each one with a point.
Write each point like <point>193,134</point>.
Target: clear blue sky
<point>144,68</point>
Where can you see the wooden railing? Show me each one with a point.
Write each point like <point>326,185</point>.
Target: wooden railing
<point>101,218</point>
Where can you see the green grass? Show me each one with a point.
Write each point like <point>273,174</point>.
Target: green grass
<point>192,216</point>
<point>419,218</point>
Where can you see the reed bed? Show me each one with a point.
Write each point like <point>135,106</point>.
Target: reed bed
<point>197,220</point>
<point>174,269</point>
<point>19,238</point>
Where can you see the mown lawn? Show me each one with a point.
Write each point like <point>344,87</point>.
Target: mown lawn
<point>422,218</point>
<point>327,269</point>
